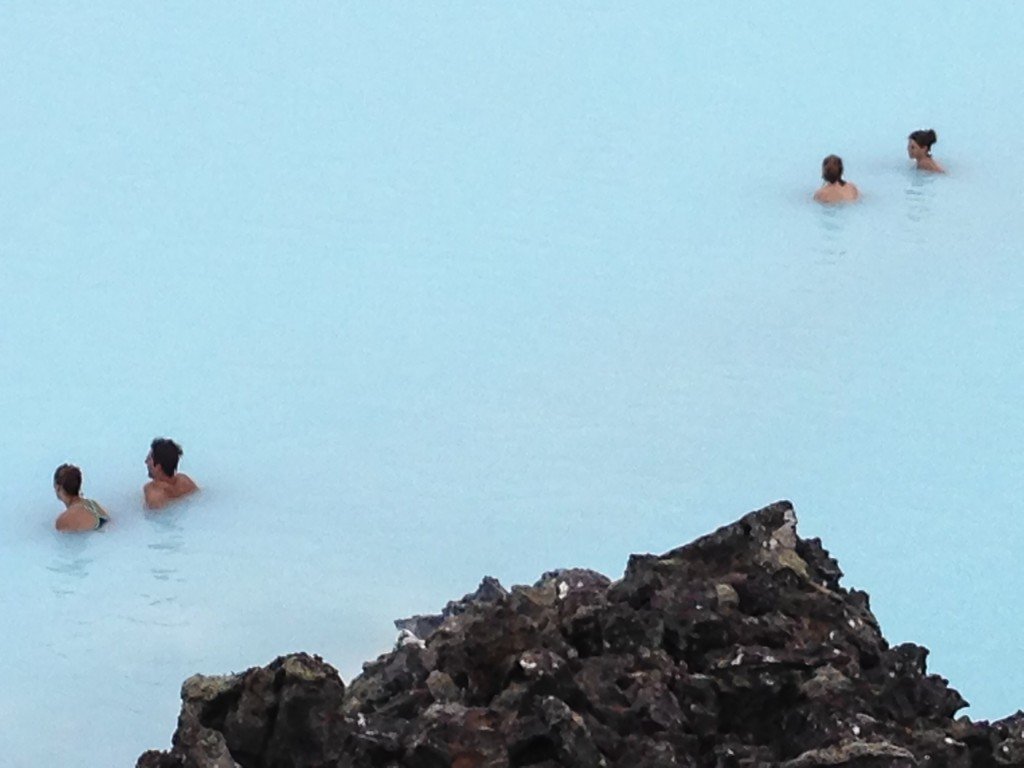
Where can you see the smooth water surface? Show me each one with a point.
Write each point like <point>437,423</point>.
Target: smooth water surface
<point>432,293</point>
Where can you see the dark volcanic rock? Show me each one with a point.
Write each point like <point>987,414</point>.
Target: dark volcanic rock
<point>489,591</point>
<point>740,649</point>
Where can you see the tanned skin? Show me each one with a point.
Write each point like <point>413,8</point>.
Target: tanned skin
<point>838,193</point>
<point>75,518</point>
<point>835,190</point>
<point>924,160</point>
<point>163,489</point>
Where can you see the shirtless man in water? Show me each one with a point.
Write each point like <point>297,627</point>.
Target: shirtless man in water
<point>166,483</point>
<point>835,189</point>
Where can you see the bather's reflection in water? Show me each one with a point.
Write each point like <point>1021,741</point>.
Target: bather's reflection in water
<point>166,545</point>
<point>919,195</point>
<point>832,226</point>
<point>70,565</point>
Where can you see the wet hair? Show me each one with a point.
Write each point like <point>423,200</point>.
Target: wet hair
<point>832,169</point>
<point>166,454</point>
<point>68,478</point>
<point>924,138</point>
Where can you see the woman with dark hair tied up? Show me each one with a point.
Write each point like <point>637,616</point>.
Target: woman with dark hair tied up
<point>835,189</point>
<point>919,147</point>
<point>80,514</point>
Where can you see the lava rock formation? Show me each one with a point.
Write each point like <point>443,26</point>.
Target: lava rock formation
<point>739,649</point>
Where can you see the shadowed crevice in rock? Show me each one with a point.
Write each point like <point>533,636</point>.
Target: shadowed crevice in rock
<point>739,649</point>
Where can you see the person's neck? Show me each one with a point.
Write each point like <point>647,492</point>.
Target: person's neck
<point>70,501</point>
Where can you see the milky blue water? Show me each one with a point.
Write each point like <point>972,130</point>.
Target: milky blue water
<point>428,293</point>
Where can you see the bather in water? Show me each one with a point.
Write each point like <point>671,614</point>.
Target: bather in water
<point>80,514</point>
<point>919,148</point>
<point>835,189</point>
<point>166,484</point>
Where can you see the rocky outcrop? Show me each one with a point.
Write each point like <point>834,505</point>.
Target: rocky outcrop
<point>739,649</point>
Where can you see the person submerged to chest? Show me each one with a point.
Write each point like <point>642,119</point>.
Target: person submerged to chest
<point>80,514</point>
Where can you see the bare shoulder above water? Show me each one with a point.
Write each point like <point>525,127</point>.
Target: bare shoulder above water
<point>835,189</point>
<point>919,149</point>
<point>166,484</point>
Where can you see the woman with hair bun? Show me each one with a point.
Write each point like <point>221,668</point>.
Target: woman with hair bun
<point>835,189</point>
<point>919,147</point>
<point>80,514</point>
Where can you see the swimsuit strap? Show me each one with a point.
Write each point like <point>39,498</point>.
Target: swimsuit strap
<point>97,511</point>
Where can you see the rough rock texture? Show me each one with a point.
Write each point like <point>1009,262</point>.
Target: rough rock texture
<point>740,649</point>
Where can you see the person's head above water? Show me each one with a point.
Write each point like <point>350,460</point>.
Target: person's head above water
<point>163,456</point>
<point>67,479</point>
<point>80,514</point>
<point>919,149</point>
<point>166,483</point>
<point>832,169</point>
<point>920,143</point>
<point>835,189</point>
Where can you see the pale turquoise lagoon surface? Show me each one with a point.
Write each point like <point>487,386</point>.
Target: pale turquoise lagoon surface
<point>432,293</point>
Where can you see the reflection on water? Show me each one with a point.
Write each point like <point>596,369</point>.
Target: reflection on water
<point>72,578</point>
<point>831,225</point>
<point>919,195</point>
<point>165,549</point>
<point>70,565</point>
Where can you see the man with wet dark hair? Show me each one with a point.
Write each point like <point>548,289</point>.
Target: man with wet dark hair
<point>166,484</point>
